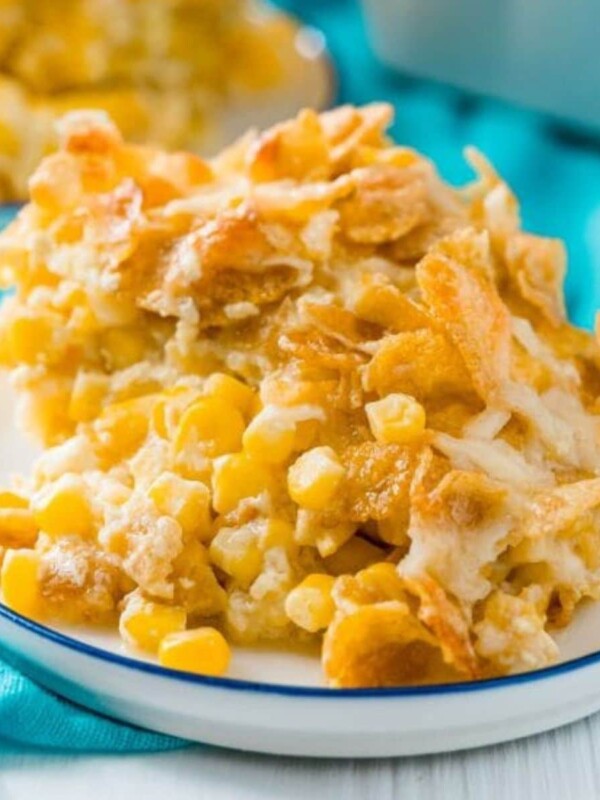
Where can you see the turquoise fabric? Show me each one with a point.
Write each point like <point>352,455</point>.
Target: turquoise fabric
<point>556,173</point>
<point>33,717</point>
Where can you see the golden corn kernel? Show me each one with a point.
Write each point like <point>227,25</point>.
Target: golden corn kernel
<point>6,359</point>
<point>396,418</point>
<point>236,477</point>
<point>186,501</point>
<point>394,529</point>
<point>89,392</point>
<point>63,507</point>
<point>169,407</point>
<point>310,605</point>
<point>236,551</point>
<point>382,581</point>
<point>17,527</point>
<point>10,141</point>
<point>212,425</point>
<point>12,500</point>
<point>203,650</point>
<point>270,437</point>
<point>196,586</point>
<point>19,581</point>
<point>277,533</point>
<point>144,624</point>
<point>329,540</point>
<point>45,414</point>
<point>122,427</point>
<point>27,339</point>
<point>159,422</point>
<point>123,347</point>
<point>327,535</point>
<point>230,391</point>
<point>315,477</point>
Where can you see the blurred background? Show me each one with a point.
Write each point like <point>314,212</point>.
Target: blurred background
<point>194,73</point>
<point>552,162</point>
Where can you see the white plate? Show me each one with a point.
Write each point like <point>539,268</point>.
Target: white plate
<point>275,701</point>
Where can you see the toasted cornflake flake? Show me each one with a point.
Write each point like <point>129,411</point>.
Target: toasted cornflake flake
<point>382,645</point>
<point>378,478</point>
<point>420,363</point>
<point>387,204</point>
<point>304,390</point>
<point>474,317</point>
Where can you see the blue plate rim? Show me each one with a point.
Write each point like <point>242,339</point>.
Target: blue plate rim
<point>289,690</point>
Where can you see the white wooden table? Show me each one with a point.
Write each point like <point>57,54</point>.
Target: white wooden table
<point>563,764</point>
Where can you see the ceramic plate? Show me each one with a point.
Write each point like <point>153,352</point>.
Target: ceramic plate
<point>275,702</point>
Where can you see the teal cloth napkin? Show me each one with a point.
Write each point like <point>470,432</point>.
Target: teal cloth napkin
<point>556,174</point>
<point>32,717</point>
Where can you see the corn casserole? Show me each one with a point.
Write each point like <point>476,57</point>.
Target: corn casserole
<point>302,392</point>
<point>165,70</point>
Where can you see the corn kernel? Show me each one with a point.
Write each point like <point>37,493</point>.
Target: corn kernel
<point>45,414</point>
<point>236,551</point>
<point>123,426</point>
<point>236,477</point>
<point>19,581</point>
<point>144,624</point>
<point>270,437</point>
<point>63,507</point>
<point>17,527</point>
<point>382,581</point>
<point>10,143</point>
<point>123,347</point>
<point>12,500</point>
<point>28,338</point>
<point>230,391</point>
<point>169,407</point>
<point>310,605</point>
<point>315,477</point>
<point>327,535</point>
<point>89,391</point>
<point>203,651</point>
<point>214,426</point>
<point>277,533</point>
<point>186,501</point>
<point>6,358</point>
<point>196,586</point>
<point>394,529</point>
<point>396,418</point>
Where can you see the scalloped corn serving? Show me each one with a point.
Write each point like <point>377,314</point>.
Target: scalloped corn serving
<point>304,391</point>
<point>165,70</point>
